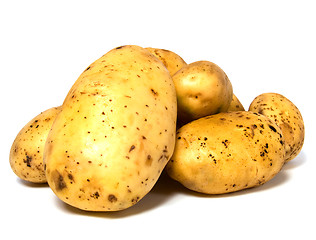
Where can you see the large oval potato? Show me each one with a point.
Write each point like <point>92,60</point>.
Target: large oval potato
<point>26,154</point>
<point>287,116</point>
<point>115,132</point>
<point>227,152</point>
<point>203,89</point>
<point>171,60</point>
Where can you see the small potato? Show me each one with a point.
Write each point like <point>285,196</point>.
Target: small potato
<point>171,60</point>
<point>227,152</point>
<point>26,155</point>
<point>235,105</point>
<point>202,89</point>
<point>287,116</point>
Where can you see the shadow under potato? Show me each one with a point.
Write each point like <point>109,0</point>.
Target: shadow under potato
<point>31,185</point>
<point>299,160</point>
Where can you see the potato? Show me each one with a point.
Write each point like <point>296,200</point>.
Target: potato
<point>235,105</point>
<point>171,60</point>
<point>227,152</point>
<point>26,154</point>
<point>287,116</point>
<point>115,132</point>
<point>202,89</point>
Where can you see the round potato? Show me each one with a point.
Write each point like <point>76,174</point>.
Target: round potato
<point>171,60</point>
<point>235,105</point>
<point>227,152</point>
<point>202,89</point>
<point>287,116</point>
<point>26,154</point>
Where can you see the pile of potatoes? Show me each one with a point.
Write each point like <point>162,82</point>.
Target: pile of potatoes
<point>137,111</point>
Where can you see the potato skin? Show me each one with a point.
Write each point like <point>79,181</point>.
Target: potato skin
<point>171,60</point>
<point>202,89</point>
<point>287,116</point>
<point>235,105</point>
<point>26,154</point>
<point>227,152</point>
<point>115,132</point>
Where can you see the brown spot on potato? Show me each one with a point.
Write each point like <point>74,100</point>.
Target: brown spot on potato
<point>135,200</point>
<point>226,142</point>
<point>149,160</point>
<point>154,92</point>
<point>58,180</point>
<point>132,148</point>
<point>272,128</point>
<point>28,161</point>
<point>112,198</point>
<point>96,195</point>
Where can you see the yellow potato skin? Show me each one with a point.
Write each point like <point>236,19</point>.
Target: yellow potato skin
<point>203,89</point>
<point>115,132</point>
<point>171,60</point>
<point>26,154</point>
<point>235,105</point>
<point>287,116</point>
<point>227,152</point>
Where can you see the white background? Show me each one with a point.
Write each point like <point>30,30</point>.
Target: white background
<point>263,47</point>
